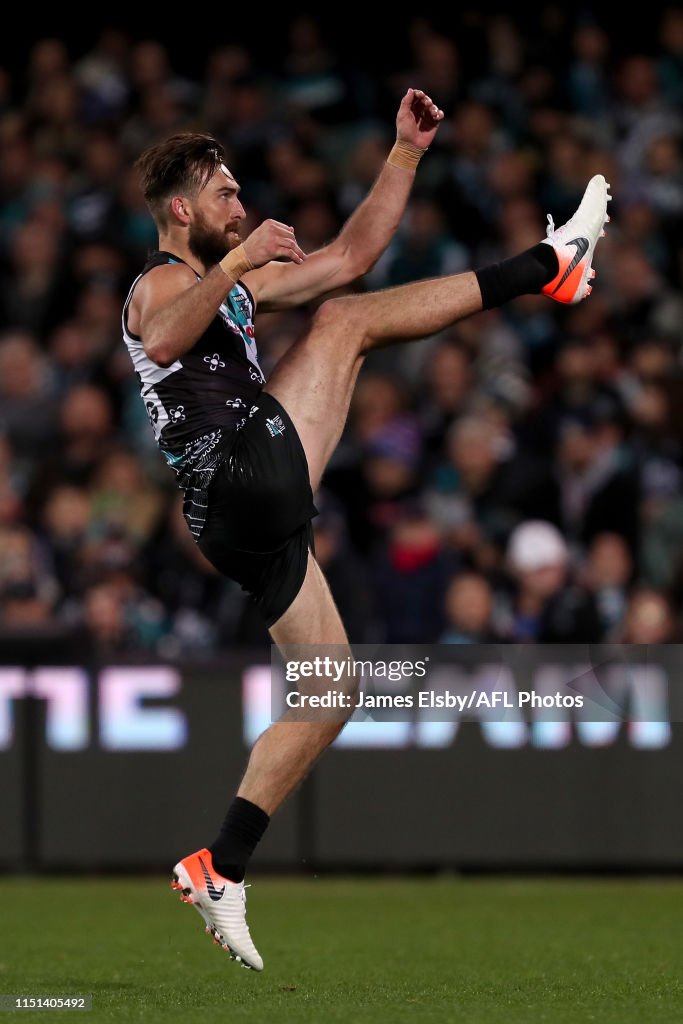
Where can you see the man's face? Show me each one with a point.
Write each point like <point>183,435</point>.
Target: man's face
<point>217,215</point>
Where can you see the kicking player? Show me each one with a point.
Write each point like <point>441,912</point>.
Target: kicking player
<point>250,453</point>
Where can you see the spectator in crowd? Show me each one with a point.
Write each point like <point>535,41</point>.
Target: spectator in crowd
<point>546,605</point>
<point>649,619</point>
<point>411,574</point>
<point>469,611</point>
<point>608,574</point>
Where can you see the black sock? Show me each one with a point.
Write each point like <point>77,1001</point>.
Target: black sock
<point>240,833</point>
<point>520,275</point>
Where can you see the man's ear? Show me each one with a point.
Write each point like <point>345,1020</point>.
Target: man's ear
<point>179,209</point>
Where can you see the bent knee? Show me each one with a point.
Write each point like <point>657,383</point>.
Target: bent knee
<point>341,316</point>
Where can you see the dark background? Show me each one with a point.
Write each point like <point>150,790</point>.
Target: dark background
<point>466,806</point>
<point>377,41</point>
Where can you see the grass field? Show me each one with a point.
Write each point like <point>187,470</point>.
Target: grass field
<point>380,950</point>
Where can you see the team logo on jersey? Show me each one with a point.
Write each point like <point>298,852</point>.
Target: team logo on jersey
<point>275,426</point>
<point>243,305</point>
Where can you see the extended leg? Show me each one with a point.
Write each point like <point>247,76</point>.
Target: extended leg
<point>314,381</point>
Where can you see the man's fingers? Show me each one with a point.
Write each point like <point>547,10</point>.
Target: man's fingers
<point>279,226</point>
<point>286,242</point>
<point>412,96</point>
<point>431,108</point>
<point>297,254</point>
<point>422,104</point>
<point>291,249</point>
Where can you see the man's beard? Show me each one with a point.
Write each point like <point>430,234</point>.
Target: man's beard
<point>208,244</point>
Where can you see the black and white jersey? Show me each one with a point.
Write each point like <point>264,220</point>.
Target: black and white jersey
<point>196,401</point>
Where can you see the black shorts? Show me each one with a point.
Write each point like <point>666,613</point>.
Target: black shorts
<point>258,527</point>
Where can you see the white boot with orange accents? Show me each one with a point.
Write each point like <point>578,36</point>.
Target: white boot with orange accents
<point>574,244</point>
<point>222,904</point>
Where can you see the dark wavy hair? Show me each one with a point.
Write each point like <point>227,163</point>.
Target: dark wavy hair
<point>182,164</point>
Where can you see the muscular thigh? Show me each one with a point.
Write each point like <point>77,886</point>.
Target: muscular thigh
<point>314,382</point>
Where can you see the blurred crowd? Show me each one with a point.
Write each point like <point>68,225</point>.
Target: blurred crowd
<point>517,478</point>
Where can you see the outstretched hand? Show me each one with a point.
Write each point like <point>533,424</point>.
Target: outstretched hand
<point>418,119</point>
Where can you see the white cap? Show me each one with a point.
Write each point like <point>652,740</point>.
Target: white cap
<point>536,545</point>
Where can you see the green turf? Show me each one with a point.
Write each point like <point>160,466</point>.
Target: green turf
<point>380,950</point>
